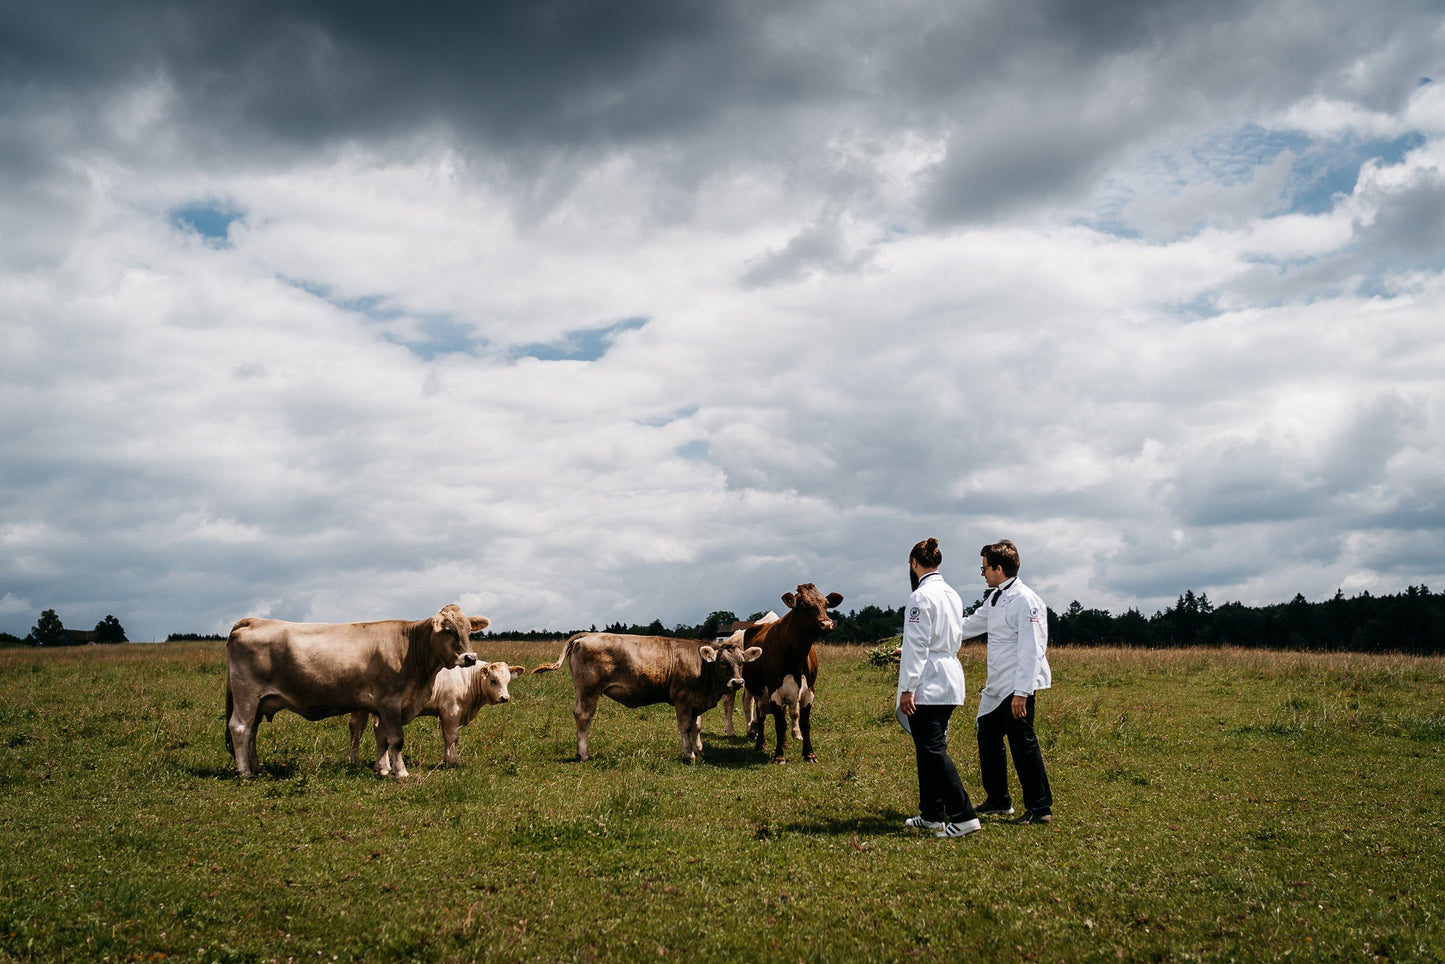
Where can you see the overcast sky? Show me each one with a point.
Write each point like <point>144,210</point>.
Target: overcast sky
<point>579,312</point>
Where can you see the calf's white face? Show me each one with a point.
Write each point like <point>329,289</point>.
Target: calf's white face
<point>495,678</point>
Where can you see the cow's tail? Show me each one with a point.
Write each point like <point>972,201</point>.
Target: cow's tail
<point>230,705</point>
<point>566,648</point>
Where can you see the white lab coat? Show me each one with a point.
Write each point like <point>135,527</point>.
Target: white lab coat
<point>932,631</point>
<point>1017,623</point>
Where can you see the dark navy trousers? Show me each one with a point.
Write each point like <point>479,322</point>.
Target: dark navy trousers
<point>941,795</point>
<point>993,727</point>
<point>1028,759</point>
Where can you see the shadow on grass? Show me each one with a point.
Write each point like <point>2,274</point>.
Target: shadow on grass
<point>209,772</point>
<point>282,770</point>
<point>888,822</point>
<point>737,756</point>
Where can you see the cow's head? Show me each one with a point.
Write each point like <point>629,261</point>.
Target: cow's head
<point>811,605</point>
<point>451,631</point>
<point>722,666</point>
<point>492,680</point>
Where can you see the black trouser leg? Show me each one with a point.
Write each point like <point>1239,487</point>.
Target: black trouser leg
<point>1029,762</point>
<point>941,795</point>
<point>992,758</point>
<point>1028,759</point>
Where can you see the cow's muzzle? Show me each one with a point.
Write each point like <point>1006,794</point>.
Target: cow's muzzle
<point>467,659</point>
<point>734,685</point>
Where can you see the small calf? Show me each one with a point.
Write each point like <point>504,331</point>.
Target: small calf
<point>457,696</point>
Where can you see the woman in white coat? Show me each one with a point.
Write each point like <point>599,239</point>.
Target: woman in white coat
<point>930,688</point>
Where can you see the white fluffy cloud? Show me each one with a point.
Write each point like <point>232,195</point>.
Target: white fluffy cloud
<point>681,339</point>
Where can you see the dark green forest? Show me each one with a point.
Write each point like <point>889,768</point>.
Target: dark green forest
<point>1412,621</point>
<point>1409,622</point>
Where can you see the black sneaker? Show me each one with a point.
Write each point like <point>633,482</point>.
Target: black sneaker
<point>1035,816</point>
<point>991,809</point>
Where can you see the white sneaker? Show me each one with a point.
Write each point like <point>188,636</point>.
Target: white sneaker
<point>919,823</point>
<point>959,829</point>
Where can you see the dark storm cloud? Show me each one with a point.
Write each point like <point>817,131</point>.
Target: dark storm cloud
<point>1007,85</point>
<point>1409,225</point>
<point>1067,88</point>
<point>303,73</point>
<point>818,248</point>
<point>1024,161</point>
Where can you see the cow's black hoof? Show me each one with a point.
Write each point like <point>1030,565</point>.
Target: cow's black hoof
<point>811,758</point>
<point>780,759</point>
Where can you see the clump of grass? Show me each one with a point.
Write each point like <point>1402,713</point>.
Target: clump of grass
<point>885,652</point>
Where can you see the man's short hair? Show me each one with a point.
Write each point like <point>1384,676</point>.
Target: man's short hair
<point>1003,554</point>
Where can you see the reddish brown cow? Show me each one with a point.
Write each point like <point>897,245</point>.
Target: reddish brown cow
<point>788,668</point>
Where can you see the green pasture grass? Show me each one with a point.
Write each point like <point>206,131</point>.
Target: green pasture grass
<point>1210,805</point>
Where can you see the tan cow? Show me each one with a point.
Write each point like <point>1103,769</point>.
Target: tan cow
<point>789,667</point>
<point>730,699</point>
<point>643,670</point>
<point>330,669</point>
<point>457,696</point>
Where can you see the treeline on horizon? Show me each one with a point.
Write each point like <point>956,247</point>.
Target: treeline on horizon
<point>1409,622</point>
<point>1412,622</point>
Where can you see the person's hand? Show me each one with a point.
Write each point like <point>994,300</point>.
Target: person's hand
<point>905,703</point>
<point>1020,707</point>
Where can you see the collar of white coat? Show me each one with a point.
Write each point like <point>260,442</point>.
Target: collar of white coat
<point>1007,584</point>
<point>927,576</point>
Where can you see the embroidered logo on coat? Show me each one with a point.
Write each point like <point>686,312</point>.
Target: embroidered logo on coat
<point>1033,615</point>
<point>913,615</point>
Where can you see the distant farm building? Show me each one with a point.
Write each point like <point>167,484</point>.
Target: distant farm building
<point>724,633</point>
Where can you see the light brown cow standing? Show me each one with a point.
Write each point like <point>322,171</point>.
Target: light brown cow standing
<point>457,696</point>
<point>330,669</point>
<point>643,670</point>
<point>788,669</point>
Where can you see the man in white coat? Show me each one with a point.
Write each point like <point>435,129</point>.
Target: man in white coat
<point>1017,623</point>
<point>930,688</point>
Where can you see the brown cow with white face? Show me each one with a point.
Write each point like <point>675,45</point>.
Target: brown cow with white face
<point>330,669</point>
<point>643,670</point>
<point>789,665</point>
<point>457,696</point>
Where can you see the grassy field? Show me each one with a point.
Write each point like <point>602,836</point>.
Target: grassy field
<point>1210,806</point>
